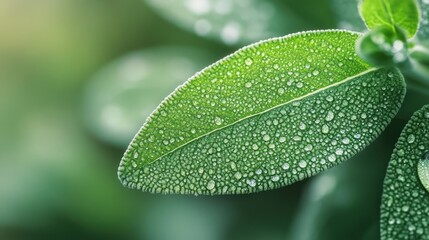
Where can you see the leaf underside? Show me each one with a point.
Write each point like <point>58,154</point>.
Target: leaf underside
<point>405,202</point>
<point>268,115</point>
<point>391,13</point>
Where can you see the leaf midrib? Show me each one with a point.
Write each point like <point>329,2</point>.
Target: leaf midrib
<point>267,110</point>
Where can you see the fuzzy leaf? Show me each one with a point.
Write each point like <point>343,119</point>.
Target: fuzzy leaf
<point>266,116</point>
<point>423,31</point>
<point>127,90</point>
<point>391,13</point>
<point>231,21</point>
<point>405,202</point>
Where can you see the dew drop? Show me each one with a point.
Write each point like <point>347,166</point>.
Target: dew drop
<point>275,178</point>
<point>302,164</point>
<point>297,138</point>
<point>325,129</point>
<point>218,120</point>
<point>266,137</point>
<point>401,152</point>
<point>237,175</point>
<point>332,158</point>
<point>211,184</point>
<point>308,148</point>
<point>251,182</point>
<point>282,139</point>
<point>345,140</point>
<point>285,166</point>
<point>339,151</point>
<point>255,147</point>
<point>329,116</point>
<point>280,91</point>
<point>302,126</point>
<point>248,61</point>
<point>233,165</point>
<point>423,170</point>
<point>315,72</point>
<point>411,138</point>
<point>248,84</point>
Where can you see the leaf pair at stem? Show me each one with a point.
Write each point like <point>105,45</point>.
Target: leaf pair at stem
<point>284,109</point>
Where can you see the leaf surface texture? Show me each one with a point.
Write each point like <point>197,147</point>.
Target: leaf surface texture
<point>405,202</point>
<point>266,116</point>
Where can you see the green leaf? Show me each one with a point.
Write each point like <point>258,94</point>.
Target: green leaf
<point>405,202</point>
<point>231,21</point>
<point>382,47</point>
<point>266,116</point>
<point>341,192</point>
<point>423,31</point>
<point>391,13</point>
<point>127,90</point>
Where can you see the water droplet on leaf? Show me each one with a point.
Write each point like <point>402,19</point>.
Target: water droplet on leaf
<point>210,185</point>
<point>423,170</point>
<point>411,138</point>
<point>218,120</point>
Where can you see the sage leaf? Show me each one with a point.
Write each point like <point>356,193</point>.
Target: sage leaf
<point>266,116</point>
<point>405,202</point>
<point>232,22</point>
<point>391,14</point>
<point>382,47</point>
<point>126,91</point>
<point>423,31</point>
<point>342,191</point>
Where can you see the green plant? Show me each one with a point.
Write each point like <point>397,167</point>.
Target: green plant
<point>287,108</point>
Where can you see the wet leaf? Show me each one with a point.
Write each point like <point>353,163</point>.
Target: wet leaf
<point>391,13</point>
<point>405,202</point>
<point>341,193</point>
<point>423,31</point>
<point>125,92</point>
<point>383,47</point>
<point>230,21</point>
<point>266,116</point>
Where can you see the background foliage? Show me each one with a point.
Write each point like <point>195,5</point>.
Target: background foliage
<point>61,138</point>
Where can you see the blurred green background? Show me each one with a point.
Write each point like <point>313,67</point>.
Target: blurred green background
<point>79,77</point>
